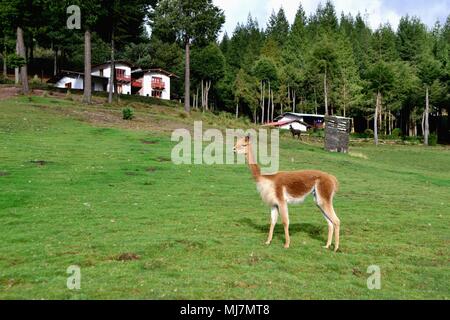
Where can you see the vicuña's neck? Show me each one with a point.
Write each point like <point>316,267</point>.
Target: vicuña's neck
<point>253,165</point>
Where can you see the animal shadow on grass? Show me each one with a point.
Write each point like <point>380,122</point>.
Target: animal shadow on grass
<point>312,230</point>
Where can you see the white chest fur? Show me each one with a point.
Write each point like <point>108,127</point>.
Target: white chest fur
<point>266,189</point>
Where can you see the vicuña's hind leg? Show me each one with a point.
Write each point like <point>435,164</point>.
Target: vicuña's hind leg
<point>325,203</point>
<point>273,222</point>
<point>330,232</point>
<point>328,209</point>
<point>285,218</point>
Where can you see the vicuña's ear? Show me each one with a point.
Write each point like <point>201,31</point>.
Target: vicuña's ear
<point>247,138</point>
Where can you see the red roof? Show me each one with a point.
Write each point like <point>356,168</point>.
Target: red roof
<point>282,123</point>
<point>279,123</point>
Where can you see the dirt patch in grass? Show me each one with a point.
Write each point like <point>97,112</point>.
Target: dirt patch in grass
<point>149,169</point>
<point>9,283</point>
<point>4,174</point>
<point>356,272</point>
<point>128,256</point>
<point>163,159</point>
<point>40,162</point>
<point>149,142</point>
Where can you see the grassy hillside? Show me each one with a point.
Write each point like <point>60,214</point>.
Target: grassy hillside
<point>80,186</point>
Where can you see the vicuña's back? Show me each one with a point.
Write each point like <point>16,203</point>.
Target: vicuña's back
<point>283,188</point>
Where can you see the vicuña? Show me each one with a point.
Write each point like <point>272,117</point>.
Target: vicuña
<point>283,188</point>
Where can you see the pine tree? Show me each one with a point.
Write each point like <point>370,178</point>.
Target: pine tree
<point>278,27</point>
<point>191,21</point>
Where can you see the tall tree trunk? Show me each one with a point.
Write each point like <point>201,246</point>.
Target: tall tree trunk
<point>423,124</point>
<point>375,118</point>
<point>207,88</point>
<point>5,54</point>
<point>112,75</point>
<point>263,103</point>
<point>203,98</point>
<point>196,99</point>
<point>345,102</point>
<point>237,110</point>
<point>427,119</point>
<point>294,102</point>
<point>187,78</point>
<point>23,69</point>
<point>273,107</point>
<point>17,70</point>
<point>325,92</point>
<point>261,94</point>
<point>268,104</point>
<point>55,61</point>
<point>87,86</point>
<point>289,96</point>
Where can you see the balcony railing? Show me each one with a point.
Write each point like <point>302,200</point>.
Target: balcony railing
<point>123,78</point>
<point>158,85</point>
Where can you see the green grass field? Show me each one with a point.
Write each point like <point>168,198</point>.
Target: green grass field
<point>198,232</point>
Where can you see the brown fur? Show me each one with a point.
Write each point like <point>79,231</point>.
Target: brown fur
<point>279,189</point>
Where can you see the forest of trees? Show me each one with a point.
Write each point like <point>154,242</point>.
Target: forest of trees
<point>326,63</point>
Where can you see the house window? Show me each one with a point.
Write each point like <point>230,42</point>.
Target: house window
<point>119,89</point>
<point>120,73</point>
<point>101,72</point>
<point>68,85</point>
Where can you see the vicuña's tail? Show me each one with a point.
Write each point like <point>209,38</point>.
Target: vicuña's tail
<point>336,183</point>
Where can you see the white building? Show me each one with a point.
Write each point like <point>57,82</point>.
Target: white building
<point>123,75</point>
<point>75,80</point>
<point>148,83</point>
<point>300,121</point>
<point>153,83</point>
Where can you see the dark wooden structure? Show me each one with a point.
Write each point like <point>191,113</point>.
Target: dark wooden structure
<point>337,134</point>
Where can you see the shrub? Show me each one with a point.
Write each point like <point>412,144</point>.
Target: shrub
<point>397,132</point>
<point>4,80</point>
<point>128,114</point>
<point>368,133</point>
<point>35,80</point>
<point>69,96</point>
<point>318,133</point>
<point>432,139</point>
<point>412,140</point>
<point>182,115</point>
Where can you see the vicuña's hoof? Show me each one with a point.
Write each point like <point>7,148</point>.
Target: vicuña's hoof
<point>286,246</point>
<point>336,249</point>
<point>326,247</point>
<point>268,243</point>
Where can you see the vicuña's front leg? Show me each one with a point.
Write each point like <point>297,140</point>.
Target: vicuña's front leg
<point>285,219</point>
<point>273,222</point>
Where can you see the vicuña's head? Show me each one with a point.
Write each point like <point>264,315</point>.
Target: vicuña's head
<point>241,145</point>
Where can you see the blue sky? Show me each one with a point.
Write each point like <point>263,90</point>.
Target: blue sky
<point>378,11</point>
